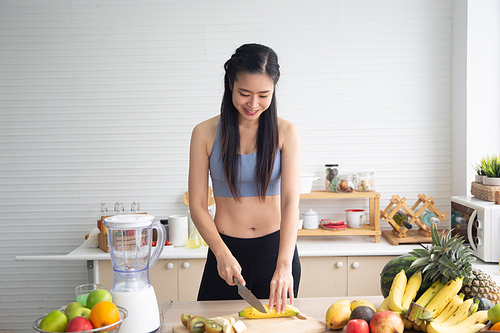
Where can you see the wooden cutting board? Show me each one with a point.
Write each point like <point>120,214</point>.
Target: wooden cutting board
<point>275,325</point>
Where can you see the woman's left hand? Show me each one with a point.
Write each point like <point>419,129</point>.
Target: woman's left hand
<point>281,287</point>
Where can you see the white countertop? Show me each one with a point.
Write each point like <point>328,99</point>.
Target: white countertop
<point>307,247</point>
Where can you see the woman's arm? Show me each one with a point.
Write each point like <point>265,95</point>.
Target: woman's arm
<point>282,281</point>
<point>202,140</point>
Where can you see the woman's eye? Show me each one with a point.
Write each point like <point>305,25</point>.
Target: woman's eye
<point>264,96</point>
<point>244,95</point>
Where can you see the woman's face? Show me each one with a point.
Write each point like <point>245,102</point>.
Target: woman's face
<point>252,95</point>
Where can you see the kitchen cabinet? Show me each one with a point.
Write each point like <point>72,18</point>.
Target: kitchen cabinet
<point>173,279</point>
<point>341,276</point>
<point>371,229</point>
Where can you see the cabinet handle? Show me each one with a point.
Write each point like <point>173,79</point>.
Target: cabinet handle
<point>170,265</point>
<point>355,264</point>
<point>340,264</point>
<point>185,265</point>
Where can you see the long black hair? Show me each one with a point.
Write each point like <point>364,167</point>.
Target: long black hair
<point>249,59</point>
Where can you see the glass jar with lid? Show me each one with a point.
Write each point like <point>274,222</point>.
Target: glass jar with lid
<point>346,183</point>
<point>364,181</point>
<point>331,177</point>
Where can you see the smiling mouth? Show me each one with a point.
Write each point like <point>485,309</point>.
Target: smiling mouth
<point>251,112</point>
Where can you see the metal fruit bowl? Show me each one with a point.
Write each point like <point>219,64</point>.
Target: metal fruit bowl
<point>113,328</point>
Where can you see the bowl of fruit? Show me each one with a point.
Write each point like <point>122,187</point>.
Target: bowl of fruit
<point>99,314</point>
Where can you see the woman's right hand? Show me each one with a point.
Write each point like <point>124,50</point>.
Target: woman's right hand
<point>228,267</point>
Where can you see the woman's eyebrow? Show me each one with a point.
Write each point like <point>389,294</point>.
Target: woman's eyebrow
<point>260,92</point>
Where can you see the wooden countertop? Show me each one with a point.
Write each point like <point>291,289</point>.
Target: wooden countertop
<point>314,307</point>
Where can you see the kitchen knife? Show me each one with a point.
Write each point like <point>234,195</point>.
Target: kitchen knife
<point>249,297</point>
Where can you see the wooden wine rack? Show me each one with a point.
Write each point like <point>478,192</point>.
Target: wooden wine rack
<point>401,234</point>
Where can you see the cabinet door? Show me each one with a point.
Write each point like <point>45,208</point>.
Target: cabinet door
<point>323,277</point>
<point>164,278</point>
<point>190,272</point>
<point>364,275</point>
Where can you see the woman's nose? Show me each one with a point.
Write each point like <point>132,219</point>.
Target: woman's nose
<point>254,101</point>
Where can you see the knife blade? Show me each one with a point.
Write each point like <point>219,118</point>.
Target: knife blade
<point>249,297</point>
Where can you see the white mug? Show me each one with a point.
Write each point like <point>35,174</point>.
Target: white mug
<point>178,230</point>
<point>355,218</point>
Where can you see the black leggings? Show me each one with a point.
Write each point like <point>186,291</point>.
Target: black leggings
<point>257,258</point>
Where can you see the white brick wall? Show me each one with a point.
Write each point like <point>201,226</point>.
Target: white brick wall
<point>98,99</point>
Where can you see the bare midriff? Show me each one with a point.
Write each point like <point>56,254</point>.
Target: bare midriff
<point>248,218</point>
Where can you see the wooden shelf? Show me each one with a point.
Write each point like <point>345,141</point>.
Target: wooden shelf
<point>372,229</point>
<point>335,195</point>
<point>366,229</point>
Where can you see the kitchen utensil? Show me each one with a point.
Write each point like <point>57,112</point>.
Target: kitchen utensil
<point>130,242</point>
<point>249,297</point>
<point>311,219</point>
<point>178,230</point>
<point>82,292</point>
<point>276,325</point>
<point>306,182</point>
<point>355,218</point>
<point>113,328</point>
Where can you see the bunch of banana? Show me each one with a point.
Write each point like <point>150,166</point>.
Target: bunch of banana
<point>466,324</point>
<point>438,310</point>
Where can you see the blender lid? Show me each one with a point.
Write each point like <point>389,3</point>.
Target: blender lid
<point>129,221</point>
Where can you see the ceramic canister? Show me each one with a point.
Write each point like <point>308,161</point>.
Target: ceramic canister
<point>311,219</point>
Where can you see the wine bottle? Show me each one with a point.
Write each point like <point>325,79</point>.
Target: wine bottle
<point>429,218</point>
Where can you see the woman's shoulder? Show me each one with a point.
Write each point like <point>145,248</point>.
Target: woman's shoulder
<point>288,133</point>
<point>207,127</point>
<point>287,128</point>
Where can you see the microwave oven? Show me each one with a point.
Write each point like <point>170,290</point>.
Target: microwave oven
<point>478,222</point>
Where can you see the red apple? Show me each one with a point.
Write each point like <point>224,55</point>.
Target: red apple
<point>357,326</point>
<point>79,324</point>
<point>386,321</point>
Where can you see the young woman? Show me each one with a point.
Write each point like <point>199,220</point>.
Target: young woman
<point>254,161</point>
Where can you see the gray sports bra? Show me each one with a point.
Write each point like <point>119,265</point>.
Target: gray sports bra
<point>246,173</point>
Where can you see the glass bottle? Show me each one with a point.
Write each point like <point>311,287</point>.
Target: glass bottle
<point>331,177</point>
<point>364,181</point>
<point>346,183</point>
<point>429,218</point>
<point>195,241</point>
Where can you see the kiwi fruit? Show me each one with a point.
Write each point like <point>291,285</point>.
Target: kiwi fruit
<point>184,319</point>
<point>196,324</point>
<point>212,327</point>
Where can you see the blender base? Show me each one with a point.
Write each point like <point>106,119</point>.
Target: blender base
<point>142,307</point>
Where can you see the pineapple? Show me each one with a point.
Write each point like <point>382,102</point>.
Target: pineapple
<point>445,259</point>
<point>481,285</point>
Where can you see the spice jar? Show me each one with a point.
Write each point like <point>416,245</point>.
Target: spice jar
<point>346,183</point>
<point>331,177</point>
<point>364,181</point>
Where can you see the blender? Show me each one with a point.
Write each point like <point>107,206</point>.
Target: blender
<point>130,240</point>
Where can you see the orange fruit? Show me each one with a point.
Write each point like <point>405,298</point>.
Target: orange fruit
<point>495,327</point>
<point>103,314</point>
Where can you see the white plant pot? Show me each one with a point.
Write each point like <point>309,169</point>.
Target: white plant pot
<point>479,179</point>
<point>491,181</point>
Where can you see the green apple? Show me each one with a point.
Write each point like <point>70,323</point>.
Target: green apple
<point>54,321</point>
<point>494,314</point>
<point>97,296</point>
<point>80,312</point>
<point>71,307</point>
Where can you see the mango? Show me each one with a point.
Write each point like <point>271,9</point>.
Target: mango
<point>359,302</point>
<point>337,315</point>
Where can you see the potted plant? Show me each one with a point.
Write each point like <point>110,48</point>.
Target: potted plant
<point>479,173</point>
<point>492,170</point>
